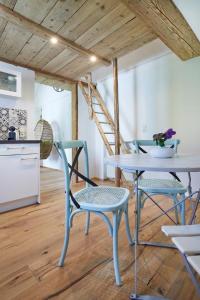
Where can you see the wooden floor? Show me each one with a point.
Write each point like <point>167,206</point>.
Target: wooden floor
<point>31,239</point>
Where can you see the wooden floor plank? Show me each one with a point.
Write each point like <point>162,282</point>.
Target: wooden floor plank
<point>31,239</point>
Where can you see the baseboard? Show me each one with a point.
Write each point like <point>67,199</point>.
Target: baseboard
<point>4,207</point>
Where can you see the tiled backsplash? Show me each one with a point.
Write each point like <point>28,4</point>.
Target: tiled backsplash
<point>13,117</point>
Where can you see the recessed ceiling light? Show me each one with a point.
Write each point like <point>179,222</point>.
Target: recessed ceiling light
<point>54,40</point>
<point>93,58</point>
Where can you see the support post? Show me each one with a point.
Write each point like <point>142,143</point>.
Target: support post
<point>90,107</point>
<point>75,121</point>
<point>116,119</point>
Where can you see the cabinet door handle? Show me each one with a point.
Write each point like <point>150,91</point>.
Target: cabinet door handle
<point>14,148</point>
<point>29,158</point>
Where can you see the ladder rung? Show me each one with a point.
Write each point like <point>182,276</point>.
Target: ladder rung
<point>112,143</point>
<point>104,122</point>
<point>95,103</point>
<point>98,112</point>
<point>109,133</point>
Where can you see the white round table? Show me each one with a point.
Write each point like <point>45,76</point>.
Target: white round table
<point>136,163</point>
<point>144,162</point>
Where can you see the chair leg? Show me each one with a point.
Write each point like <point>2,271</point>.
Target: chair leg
<point>128,233</point>
<point>182,209</point>
<point>175,201</point>
<point>87,225</point>
<point>115,248</point>
<point>65,246</point>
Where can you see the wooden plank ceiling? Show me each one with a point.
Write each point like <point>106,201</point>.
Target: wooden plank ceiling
<point>107,28</point>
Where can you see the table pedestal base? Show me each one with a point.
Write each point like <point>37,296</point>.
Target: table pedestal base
<point>146,297</point>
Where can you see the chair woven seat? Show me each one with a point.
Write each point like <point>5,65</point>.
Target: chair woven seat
<point>102,197</point>
<point>162,185</point>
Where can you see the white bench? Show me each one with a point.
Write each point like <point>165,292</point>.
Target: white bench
<point>187,240</point>
<point>195,262</point>
<point>182,230</point>
<point>188,245</point>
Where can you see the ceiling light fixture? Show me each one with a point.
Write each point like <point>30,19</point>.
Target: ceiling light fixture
<point>54,40</point>
<point>58,89</point>
<point>93,58</point>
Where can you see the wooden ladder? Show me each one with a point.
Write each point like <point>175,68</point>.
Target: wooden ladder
<point>102,117</point>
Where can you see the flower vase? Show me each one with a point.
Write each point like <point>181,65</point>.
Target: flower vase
<point>162,152</point>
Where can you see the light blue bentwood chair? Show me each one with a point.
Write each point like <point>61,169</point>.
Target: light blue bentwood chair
<point>93,198</point>
<point>171,188</point>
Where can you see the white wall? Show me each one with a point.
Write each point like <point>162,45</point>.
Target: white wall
<point>26,101</point>
<point>156,91</point>
<point>191,12</point>
<point>56,109</point>
<point>154,96</point>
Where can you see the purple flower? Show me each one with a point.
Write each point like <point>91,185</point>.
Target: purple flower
<point>169,133</point>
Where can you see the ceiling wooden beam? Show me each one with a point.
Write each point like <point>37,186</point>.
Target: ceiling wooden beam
<point>53,80</point>
<point>167,22</point>
<point>45,77</point>
<point>39,30</point>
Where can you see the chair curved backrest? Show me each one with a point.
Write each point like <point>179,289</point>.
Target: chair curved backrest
<point>173,143</point>
<point>75,144</point>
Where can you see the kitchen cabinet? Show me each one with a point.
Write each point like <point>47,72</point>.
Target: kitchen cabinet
<point>10,82</point>
<point>19,175</point>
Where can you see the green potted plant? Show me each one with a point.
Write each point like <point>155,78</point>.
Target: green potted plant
<point>162,151</point>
